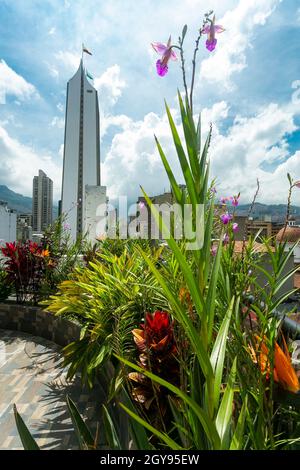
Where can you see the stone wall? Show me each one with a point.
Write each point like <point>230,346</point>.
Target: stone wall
<point>38,322</point>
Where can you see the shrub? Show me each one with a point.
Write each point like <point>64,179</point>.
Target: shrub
<point>108,298</point>
<point>5,286</point>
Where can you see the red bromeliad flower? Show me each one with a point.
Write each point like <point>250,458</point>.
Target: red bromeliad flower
<point>158,351</point>
<point>156,334</point>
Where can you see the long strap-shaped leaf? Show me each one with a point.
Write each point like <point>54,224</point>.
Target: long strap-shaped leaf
<point>186,270</point>
<point>211,293</point>
<point>207,424</point>
<point>183,160</point>
<point>84,436</point>
<point>164,437</point>
<point>224,415</point>
<point>191,141</point>
<point>110,431</point>
<point>239,434</point>
<point>218,353</point>
<point>27,440</point>
<point>183,318</point>
<point>175,187</point>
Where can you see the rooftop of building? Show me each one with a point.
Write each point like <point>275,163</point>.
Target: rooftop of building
<point>288,234</point>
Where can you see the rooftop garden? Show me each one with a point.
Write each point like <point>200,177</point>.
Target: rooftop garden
<point>184,337</point>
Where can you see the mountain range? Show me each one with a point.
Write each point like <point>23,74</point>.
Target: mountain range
<point>18,202</point>
<point>277,212</point>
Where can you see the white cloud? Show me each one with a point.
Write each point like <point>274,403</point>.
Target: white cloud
<point>14,84</point>
<point>110,85</point>
<point>60,107</point>
<point>19,163</point>
<point>58,122</point>
<point>65,60</point>
<point>240,156</point>
<point>52,31</point>
<point>230,54</point>
<point>61,151</point>
<point>252,147</point>
<point>133,159</point>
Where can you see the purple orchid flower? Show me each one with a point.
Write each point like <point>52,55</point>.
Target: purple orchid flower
<point>165,50</point>
<point>211,31</point>
<point>235,200</point>
<point>213,250</point>
<point>226,218</point>
<point>235,227</point>
<point>213,190</point>
<point>225,239</point>
<point>223,200</point>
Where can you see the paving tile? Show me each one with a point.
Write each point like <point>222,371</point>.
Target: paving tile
<point>32,377</point>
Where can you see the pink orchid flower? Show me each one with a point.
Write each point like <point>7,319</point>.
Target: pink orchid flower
<point>166,52</point>
<point>214,250</point>
<point>297,184</point>
<point>226,218</point>
<point>235,227</point>
<point>211,31</point>
<point>226,239</point>
<point>235,200</point>
<point>224,200</point>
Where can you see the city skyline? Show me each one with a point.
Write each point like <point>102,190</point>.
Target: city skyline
<point>251,97</point>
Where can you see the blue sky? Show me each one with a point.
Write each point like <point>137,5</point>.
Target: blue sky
<point>249,88</point>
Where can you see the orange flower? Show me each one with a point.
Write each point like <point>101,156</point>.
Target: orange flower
<point>283,371</point>
<point>185,298</point>
<point>45,253</point>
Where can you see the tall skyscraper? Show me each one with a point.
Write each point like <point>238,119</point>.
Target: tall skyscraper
<point>81,190</point>
<point>42,202</point>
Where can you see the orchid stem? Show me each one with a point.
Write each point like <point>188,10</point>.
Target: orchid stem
<point>205,21</point>
<point>183,67</point>
<point>194,70</point>
<point>288,209</point>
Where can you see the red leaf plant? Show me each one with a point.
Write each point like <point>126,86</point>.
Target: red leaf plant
<point>25,266</point>
<point>158,354</point>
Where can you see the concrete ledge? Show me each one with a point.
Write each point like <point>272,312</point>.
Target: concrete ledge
<point>38,322</point>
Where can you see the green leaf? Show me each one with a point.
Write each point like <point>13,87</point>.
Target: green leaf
<point>204,153</point>
<point>207,424</point>
<point>224,415</point>
<point>164,437</point>
<point>183,160</point>
<point>211,294</point>
<point>190,140</point>
<point>27,440</point>
<point>110,431</point>
<point>239,433</point>
<point>218,353</point>
<point>84,436</point>
<point>138,432</point>
<point>176,189</point>
<point>186,322</point>
<point>186,270</point>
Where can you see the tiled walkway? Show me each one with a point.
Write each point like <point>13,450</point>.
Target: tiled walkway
<point>32,377</point>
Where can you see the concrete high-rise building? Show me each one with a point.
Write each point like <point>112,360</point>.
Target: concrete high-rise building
<point>8,223</point>
<point>82,194</point>
<point>42,202</point>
